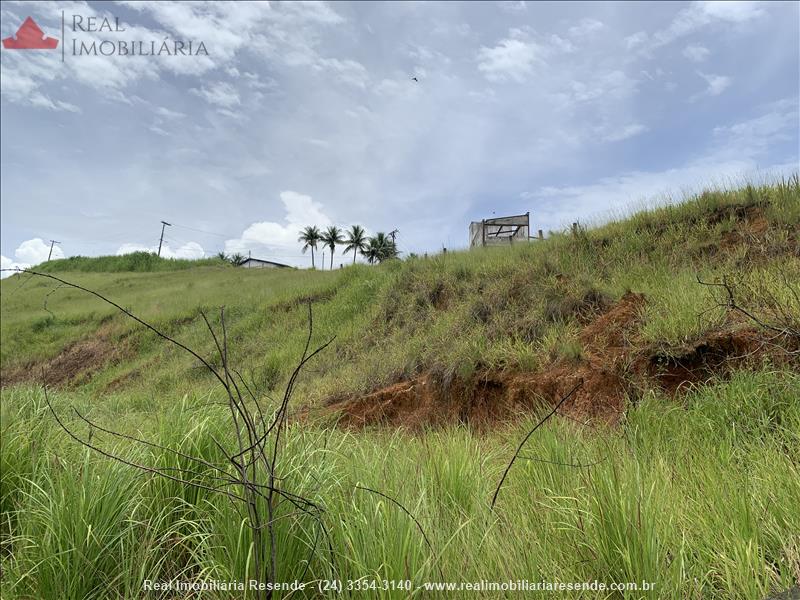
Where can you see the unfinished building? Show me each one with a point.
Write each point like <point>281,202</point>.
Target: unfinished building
<point>499,230</point>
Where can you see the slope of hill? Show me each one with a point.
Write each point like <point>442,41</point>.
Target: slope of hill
<point>619,306</point>
<point>674,463</point>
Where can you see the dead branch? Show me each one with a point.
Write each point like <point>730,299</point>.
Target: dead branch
<point>252,434</point>
<point>783,328</point>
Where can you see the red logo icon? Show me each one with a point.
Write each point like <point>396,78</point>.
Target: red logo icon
<point>30,37</point>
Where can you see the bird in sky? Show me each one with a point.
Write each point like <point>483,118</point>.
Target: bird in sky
<point>415,79</point>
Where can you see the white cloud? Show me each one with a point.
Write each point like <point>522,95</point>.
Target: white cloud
<point>733,11</point>
<point>29,253</point>
<point>586,27</point>
<point>617,196</point>
<point>158,130</point>
<point>162,111</point>
<point>561,44</point>
<point>347,71</point>
<point>736,155</point>
<point>512,58</point>
<point>513,6</point>
<point>716,85</point>
<point>758,134</point>
<point>613,85</point>
<point>231,114</point>
<point>225,28</point>
<point>695,17</point>
<point>35,251</point>
<point>219,93</point>
<point>696,53</point>
<point>267,239</point>
<point>38,99</point>
<point>7,263</point>
<point>189,250</point>
<point>628,131</point>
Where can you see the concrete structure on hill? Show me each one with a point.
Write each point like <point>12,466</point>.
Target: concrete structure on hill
<point>500,231</point>
<point>257,263</point>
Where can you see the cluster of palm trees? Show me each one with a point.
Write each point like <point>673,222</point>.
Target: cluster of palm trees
<point>377,248</point>
<point>235,259</point>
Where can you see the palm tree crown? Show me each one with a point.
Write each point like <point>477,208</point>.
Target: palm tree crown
<point>356,241</point>
<point>332,237</point>
<point>380,248</point>
<point>310,236</point>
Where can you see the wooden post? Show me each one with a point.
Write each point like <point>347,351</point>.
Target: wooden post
<point>541,235</point>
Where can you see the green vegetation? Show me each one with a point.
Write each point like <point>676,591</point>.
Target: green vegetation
<point>332,237</point>
<point>694,493</point>
<point>136,262</point>
<point>310,236</point>
<point>451,315</point>
<point>356,241</point>
<point>375,249</point>
<point>700,500</point>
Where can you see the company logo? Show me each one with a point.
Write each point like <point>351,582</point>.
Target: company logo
<point>30,37</point>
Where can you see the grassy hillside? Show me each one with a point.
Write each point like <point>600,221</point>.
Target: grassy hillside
<point>451,316</point>
<point>676,463</point>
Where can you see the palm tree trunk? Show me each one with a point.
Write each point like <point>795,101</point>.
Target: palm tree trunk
<point>331,258</point>
<point>355,253</point>
<point>312,257</point>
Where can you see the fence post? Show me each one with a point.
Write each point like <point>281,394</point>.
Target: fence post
<point>541,235</point>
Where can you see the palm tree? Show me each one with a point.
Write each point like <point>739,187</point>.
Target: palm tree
<point>380,248</point>
<point>237,259</point>
<point>371,251</point>
<point>331,237</point>
<point>310,236</point>
<point>356,241</point>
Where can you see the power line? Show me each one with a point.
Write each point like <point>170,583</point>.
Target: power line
<point>223,235</point>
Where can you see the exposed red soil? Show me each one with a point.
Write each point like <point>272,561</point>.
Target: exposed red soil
<point>76,363</point>
<point>715,354</point>
<point>612,368</point>
<point>491,397</point>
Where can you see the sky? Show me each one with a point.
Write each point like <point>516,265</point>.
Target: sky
<point>295,114</point>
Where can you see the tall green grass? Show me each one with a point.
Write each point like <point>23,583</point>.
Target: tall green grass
<point>698,499</point>
<point>695,494</point>
<point>137,262</point>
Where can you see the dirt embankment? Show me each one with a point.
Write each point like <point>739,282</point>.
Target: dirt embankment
<point>75,364</point>
<point>614,368</point>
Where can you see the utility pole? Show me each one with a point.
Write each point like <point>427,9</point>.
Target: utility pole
<point>393,233</point>
<point>161,241</point>
<point>52,243</point>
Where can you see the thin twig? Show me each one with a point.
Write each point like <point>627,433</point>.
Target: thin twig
<point>413,518</point>
<point>527,437</point>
